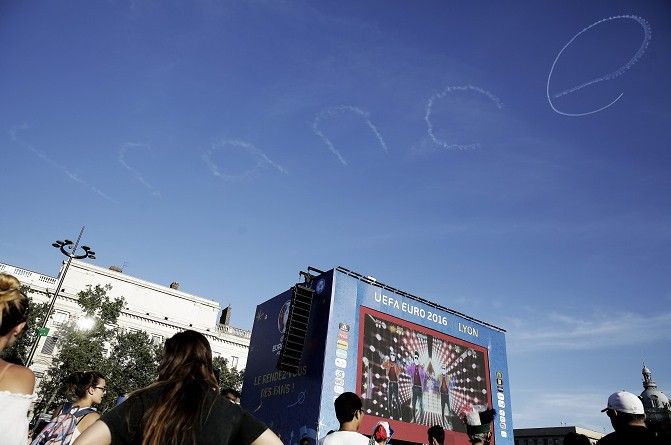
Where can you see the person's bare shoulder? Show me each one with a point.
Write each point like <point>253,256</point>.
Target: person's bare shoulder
<point>87,421</point>
<point>19,380</point>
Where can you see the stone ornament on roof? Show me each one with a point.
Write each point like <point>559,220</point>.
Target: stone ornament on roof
<point>655,402</point>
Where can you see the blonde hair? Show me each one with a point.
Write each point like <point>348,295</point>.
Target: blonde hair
<point>13,303</point>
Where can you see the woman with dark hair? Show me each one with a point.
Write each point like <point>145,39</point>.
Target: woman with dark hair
<point>16,382</point>
<point>183,406</point>
<point>72,418</point>
<point>88,388</point>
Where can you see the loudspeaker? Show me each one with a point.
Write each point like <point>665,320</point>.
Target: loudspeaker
<point>296,329</point>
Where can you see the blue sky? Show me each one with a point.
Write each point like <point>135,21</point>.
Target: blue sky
<point>227,145</point>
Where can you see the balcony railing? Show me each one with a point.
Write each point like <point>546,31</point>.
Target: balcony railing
<point>233,331</point>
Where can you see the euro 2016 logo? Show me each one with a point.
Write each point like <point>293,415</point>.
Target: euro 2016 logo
<point>320,286</point>
<point>283,317</point>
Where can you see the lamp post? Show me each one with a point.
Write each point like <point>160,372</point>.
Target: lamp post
<point>69,249</point>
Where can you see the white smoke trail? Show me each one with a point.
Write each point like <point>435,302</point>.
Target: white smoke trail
<point>122,159</point>
<point>333,111</point>
<point>43,156</point>
<point>262,160</point>
<point>441,95</point>
<point>647,36</point>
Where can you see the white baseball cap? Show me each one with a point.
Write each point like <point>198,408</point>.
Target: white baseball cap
<point>625,402</point>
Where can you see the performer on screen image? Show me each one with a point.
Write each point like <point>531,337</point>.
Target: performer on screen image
<point>417,376</point>
<point>444,388</point>
<point>430,382</point>
<point>393,372</point>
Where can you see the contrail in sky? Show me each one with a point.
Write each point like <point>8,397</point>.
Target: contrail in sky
<point>441,95</point>
<point>647,36</point>
<point>43,156</point>
<point>262,160</point>
<point>333,111</point>
<point>122,159</point>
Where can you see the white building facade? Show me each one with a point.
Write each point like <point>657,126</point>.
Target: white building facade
<point>158,310</point>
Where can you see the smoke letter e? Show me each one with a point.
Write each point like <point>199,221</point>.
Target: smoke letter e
<point>618,72</point>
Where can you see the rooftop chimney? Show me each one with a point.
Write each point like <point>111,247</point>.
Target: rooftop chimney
<point>174,285</point>
<point>225,316</point>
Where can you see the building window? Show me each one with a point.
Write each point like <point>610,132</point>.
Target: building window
<point>107,348</point>
<point>60,317</point>
<point>49,345</point>
<point>157,339</point>
<point>133,330</point>
<point>234,362</point>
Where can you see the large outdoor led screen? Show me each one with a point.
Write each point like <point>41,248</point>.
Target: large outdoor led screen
<point>411,374</point>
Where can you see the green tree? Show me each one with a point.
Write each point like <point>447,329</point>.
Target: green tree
<point>128,360</point>
<point>81,350</point>
<point>133,364</point>
<point>228,377</point>
<point>36,313</point>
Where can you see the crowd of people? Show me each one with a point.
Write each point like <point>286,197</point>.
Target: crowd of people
<point>349,412</point>
<point>185,405</point>
<point>624,409</point>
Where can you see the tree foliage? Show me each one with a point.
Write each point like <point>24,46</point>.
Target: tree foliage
<point>134,365</point>
<point>128,360</point>
<point>228,377</point>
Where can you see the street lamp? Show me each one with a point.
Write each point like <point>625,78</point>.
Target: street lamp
<point>69,249</point>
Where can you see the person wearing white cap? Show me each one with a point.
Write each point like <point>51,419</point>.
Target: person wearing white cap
<point>628,419</point>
